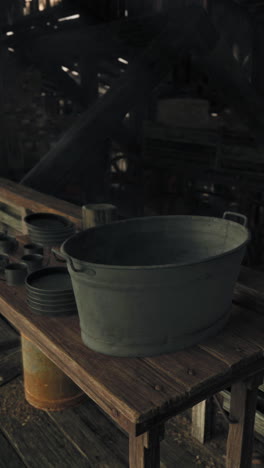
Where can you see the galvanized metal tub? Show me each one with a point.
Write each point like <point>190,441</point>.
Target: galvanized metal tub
<point>154,285</point>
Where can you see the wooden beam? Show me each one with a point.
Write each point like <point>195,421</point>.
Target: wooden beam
<point>241,432</point>
<point>259,418</point>
<point>188,29</point>
<point>202,420</point>
<point>144,450</point>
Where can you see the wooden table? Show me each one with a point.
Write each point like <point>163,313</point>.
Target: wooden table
<point>140,394</point>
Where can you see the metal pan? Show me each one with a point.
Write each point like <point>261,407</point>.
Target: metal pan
<point>53,313</point>
<point>57,302</point>
<point>51,309</point>
<point>47,221</point>
<point>47,237</point>
<point>50,232</point>
<point>50,280</point>
<point>50,240</point>
<point>50,296</point>
<point>48,243</point>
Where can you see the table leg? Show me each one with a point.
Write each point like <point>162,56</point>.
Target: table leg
<point>144,450</point>
<point>241,429</point>
<point>202,420</point>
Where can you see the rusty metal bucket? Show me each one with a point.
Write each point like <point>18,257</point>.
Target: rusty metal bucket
<point>46,386</point>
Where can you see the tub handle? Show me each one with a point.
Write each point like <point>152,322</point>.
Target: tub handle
<point>63,258</point>
<point>59,256</point>
<point>237,215</point>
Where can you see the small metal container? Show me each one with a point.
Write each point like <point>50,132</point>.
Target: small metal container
<point>15,273</point>
<point>7,243</point>
<point>33,261</point>
<point>4,260</point>
<point>33,249</point>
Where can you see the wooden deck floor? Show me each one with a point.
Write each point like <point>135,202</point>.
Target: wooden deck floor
<point>81,436</point>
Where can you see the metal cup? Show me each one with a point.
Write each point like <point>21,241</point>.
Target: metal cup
<point>4,260</point>
<point>33,249</point>
<point>16,273</point>
<point>7,243</point>
<point>33,261</point>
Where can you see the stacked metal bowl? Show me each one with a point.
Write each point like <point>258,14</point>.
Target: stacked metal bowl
<point>48,229</point>
<point>49,292</point>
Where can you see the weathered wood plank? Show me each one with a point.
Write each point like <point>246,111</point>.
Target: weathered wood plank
<point>37,442</point>
<point>144,450</point>
<point>87,428</point>
<point>233,345</point>
<point>56,168</point>
<point>175,456</point>
<point>9,457</point>
<point>259,418</point>
<point>251,278</point>
<point>10,216</point>
<point>19,196</point>
<point>185,367</point>
<point>241,434</point>
<point>249,297</point>
<point>249,325</point>
<point>202,420</point>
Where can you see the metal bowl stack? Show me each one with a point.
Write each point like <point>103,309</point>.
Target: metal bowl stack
<point>49,292</point>
<point>48,229</point>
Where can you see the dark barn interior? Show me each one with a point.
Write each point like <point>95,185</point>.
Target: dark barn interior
<point>151,110</point>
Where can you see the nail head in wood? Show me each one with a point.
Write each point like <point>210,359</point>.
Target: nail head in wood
<point>158,387</point>
<point>115,413</point>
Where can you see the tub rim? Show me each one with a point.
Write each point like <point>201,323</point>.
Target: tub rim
<point>102,266</point>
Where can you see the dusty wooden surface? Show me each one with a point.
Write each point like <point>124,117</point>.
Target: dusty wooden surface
<point>84,435</point>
